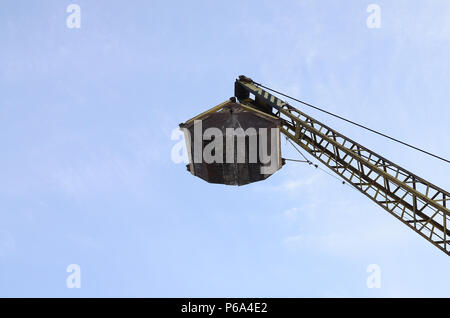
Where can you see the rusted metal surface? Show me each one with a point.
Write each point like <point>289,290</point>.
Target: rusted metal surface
<point>232,115</point>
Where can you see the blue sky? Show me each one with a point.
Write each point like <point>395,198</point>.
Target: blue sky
<point>86,176</point>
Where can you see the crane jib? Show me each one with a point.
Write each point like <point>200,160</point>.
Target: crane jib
<point>270,99</point>
<point>418,203</point>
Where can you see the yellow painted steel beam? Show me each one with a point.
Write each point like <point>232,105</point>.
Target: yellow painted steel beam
<point>418,203</point>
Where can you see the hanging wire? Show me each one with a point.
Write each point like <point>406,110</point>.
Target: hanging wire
<point>287,159</point>
<point>354,123</point>
<point>314,165</point>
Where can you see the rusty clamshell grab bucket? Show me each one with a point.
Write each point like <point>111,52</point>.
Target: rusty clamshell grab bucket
<point>233,144</point>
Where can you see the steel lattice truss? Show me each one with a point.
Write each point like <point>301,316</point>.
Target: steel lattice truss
<point>416,202</point>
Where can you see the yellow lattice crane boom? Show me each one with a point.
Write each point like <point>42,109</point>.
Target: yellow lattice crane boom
<point>419,204</point>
